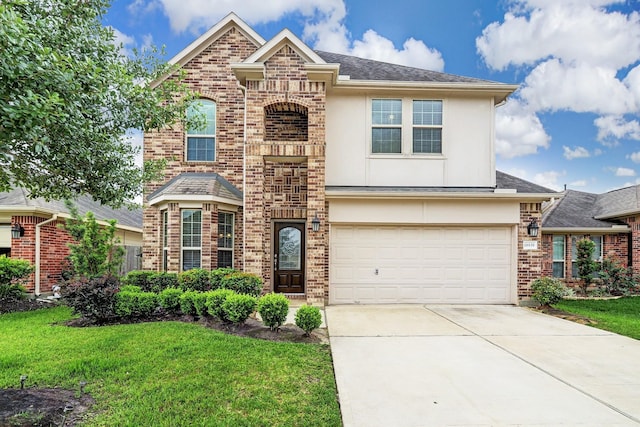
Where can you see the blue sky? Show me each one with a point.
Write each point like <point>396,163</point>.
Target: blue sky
<point>575,119</point>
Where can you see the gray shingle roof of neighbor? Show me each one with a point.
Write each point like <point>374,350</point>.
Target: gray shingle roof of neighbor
<point>367,69</point>
<point>19,198</point>
<point>200,184</point>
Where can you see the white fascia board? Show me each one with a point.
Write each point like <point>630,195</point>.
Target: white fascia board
<point>282,38</point>
<point>629,212</point>
<point>193,198</point>
<point>342,194</point>
<point>616,229</point>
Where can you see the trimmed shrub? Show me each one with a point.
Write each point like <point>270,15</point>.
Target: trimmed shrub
<point>129,288</point>
<point>237,308</point>
<point>196,279</point>
<point>243,283</point>
<point>200,303</point>
<point>12,292</point>
<point>163,280</point>
<point>273,309</point>
<point>548,291</point>
<point>218,274</point>
<point>13,270</point>
<point>187,304</point>
<point>136,304</point>
<point>138,278</point>
<point>169,299</point>
<point>214,302</point>
<point>92,299</point>
<point>308,318</point>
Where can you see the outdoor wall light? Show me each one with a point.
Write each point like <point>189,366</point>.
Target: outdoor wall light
<point>17,231</point>
<point>532,228</point>
<point>315,223</point>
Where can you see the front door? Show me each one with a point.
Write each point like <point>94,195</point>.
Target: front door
<point>288,258</point>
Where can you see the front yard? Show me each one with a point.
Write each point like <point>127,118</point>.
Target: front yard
<point>170,373</point>
<point>621,315</point>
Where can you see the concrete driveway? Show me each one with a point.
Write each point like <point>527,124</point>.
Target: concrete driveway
<point>411,365</point>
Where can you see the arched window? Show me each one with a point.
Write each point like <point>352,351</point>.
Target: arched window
<point>201,141</point>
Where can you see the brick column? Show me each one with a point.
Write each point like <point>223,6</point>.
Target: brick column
<point>529,261</point>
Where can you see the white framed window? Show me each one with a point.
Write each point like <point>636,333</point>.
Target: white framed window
<point>427,126</point>
<point>386,130</point>
<point>559,255</point>
<point>191,237</point>
<point>201,141</point>
<point>225,239</point>
<point>406,126</point>
<point>597,253</point>
<point>164,230</point>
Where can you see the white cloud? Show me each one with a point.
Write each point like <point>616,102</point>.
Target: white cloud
<point>613,128</point>
<point>573,30</point>
<point>324,27</point>
<point>519,132</point>
<point>579,183</point>
<point>124,41</point>
<point>549,179</point>
<point>576,153</point>
<point>623,172</point>
<point>635,157</point>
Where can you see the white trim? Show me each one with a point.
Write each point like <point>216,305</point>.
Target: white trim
<point>616,229</point>
<point>284,37</point>
<point>36,289</point>
<point>389,194</point>
<point>180,198</point>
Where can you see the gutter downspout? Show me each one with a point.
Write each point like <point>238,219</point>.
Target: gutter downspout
<point>37,273</point>
<point>244,179</point>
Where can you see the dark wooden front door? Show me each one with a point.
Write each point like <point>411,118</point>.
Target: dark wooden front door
<point>288,257</point>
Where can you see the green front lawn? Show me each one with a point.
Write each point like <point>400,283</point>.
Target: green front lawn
<point>171,373</point>
<point>621,315</point>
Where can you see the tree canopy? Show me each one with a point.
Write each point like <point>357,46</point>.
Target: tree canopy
<point>68,96</point>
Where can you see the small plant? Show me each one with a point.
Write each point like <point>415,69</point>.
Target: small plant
<point>13,272</point>
<point>243,283</point>
<point>169,299</point>
<point>273,309</point>
<point>130,303</point>
<point>163,280</point>
<point>237,308</point>
<point>308,318</point>
<point>138,278</point>
<point>586,265</point>
<point>214,302</point>
<point>196,279</point>
<point>548,291</point>
<point>187,304</point>
<point>218,274</point>
<point>93,299</point>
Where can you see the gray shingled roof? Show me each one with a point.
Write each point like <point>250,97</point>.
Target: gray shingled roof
<point>617,202</point>
<point>19,198</point>
<point>503,181</point>
<point>576,209</point>
<point>199,184</point>
<point>367,69</point>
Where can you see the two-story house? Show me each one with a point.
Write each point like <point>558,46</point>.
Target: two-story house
<point>339,179</point>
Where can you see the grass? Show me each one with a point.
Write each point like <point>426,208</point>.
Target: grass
<point>621,315</point>
<point>171,373</point>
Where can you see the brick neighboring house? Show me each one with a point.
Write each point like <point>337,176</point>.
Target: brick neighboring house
<point>44,244</point>
<point>339,179</point>
<point>611,220</point>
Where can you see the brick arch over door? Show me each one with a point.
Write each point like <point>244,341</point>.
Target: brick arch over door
<point>286,121</point>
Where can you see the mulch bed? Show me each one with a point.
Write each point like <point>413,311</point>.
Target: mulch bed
<point>568,316</point>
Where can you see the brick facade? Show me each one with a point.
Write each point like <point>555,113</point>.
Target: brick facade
<point>529,260</point>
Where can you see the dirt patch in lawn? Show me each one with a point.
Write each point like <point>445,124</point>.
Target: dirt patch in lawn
<point>42,407</point>
<point>568,316</point>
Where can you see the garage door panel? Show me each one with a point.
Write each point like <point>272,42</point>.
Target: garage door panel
<point>420,264</point>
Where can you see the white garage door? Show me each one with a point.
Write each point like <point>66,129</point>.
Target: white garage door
<point>461,265</point>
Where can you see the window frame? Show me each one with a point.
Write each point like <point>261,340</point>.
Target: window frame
<point>386,126</point>
<point>226,249</point>
<point>406,127</point>
<point>191,135</point>
<point>192,248</point>
<point>164,238</point>
<point>562,260</point>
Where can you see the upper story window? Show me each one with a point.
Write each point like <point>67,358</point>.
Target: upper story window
<point>201,142</point>
<point>427,127</point>
<point>422,122</point>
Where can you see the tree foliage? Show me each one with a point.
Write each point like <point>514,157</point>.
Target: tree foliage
<point>68,96</point>
<point>96,252</point>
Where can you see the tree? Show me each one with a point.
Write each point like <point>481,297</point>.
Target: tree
<point>96,252</point>
<point>584,259</point>
<point>67,98</point>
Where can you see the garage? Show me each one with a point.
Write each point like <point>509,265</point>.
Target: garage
<point>371,264</point>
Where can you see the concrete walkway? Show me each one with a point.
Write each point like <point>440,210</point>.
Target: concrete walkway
<point>410,365</point>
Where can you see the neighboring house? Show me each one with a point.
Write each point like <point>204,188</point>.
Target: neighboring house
<point>339,179</point>
<point>39,238</point>
<point>611,220</point>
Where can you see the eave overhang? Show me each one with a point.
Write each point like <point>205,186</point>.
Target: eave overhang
<point>614,229</point>
<point>341,193</point>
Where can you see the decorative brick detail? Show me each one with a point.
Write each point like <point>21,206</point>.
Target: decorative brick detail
<point>530,262</point>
